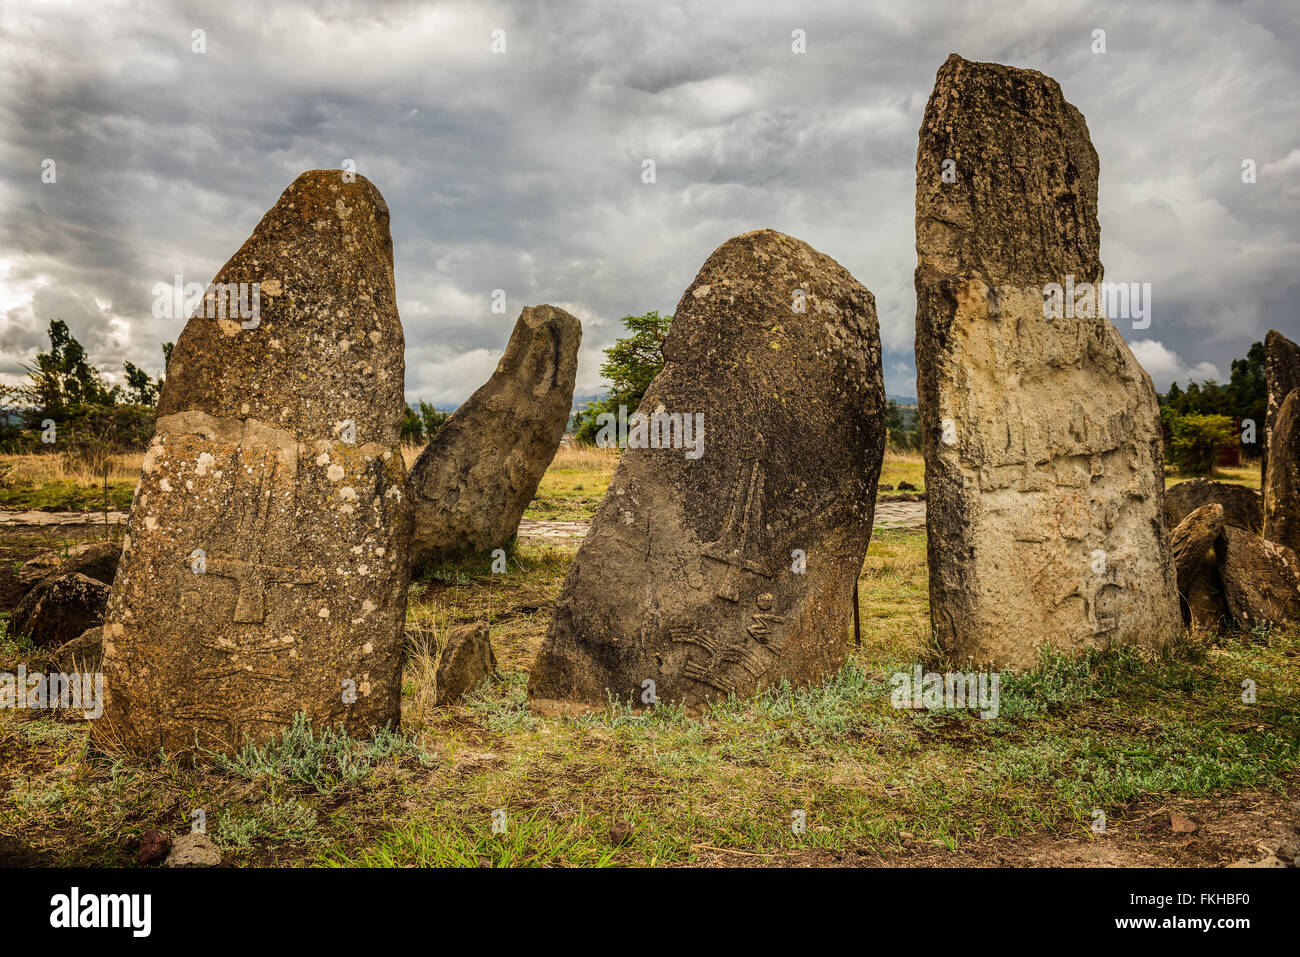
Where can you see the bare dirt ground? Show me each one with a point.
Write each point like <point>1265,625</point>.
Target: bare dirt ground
<point>889,514</point>
<point>40,519</point>
<point>1244,830</point>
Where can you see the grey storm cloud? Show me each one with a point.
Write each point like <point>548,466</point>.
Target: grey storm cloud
<point>521,171</point>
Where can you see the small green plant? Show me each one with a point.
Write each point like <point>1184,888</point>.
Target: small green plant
<point>321,761</point>
<point>281,821</point>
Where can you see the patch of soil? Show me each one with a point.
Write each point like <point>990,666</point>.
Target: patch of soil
<point>14,853</point>
<point>1248,827</point>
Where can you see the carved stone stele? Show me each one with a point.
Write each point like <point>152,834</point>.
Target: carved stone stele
<point>1281,375</point>
<point>1044,463</point>
<point>472,482</point>
<point>266,563</point>
<point>729,568</point>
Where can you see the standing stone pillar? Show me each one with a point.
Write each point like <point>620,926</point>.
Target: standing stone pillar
<point>1282,484</point>
<point>724,556</point>
<point>1044,465</point>
<point>266,563</point>
<point>1281,375</point>
<point>472,482</point>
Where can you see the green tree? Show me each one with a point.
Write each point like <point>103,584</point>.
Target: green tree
<point>412,432</point>
<point>1196,441</point>
<point>1244,397</point>
<point>422,424</point>
<point>431,420</point>
<point>1248,390</point>
<point>898,435</point>
<point>631,364</point>
<point>141,388</point>
<point>61,380</point>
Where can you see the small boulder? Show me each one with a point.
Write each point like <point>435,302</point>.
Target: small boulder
<point>154,845</point>
<point>97,560</point>
<point>1195,562</point>
<point>466,661</point>
<point>193,850</point>
<point>59,609</point>
<point>1261,580</point>
<point>1242,507</point>
<point>81,655</point>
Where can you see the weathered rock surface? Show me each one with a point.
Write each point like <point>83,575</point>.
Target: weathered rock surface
<point>472,482</point>
<point>193,850</point>
<point>1282,483</point>
<point>688,583</point>
<point>1242,507</point>
<point>465,661</point>
<point>1042,436</point>
<point>1261,581</point>
<point>1192,545</point>
<point>1281,375</point>
<point>97,560</point>
<point>59,609</point>
<point>82,654</point>
<point>266,563</point>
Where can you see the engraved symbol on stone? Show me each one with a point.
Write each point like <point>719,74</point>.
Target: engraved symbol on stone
<point>253,576</point>
<point>1102,598</point>
<point>717,655</point>
<point>760,628</point>
<point>235,725</point>
<point>234,665</point>
<point>744,526</point>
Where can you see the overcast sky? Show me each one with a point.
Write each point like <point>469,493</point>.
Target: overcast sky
<point>522,170</point>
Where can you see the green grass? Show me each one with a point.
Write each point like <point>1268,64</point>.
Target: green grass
<point>1247,475</point>
<point>65,495</point>
<point>573,485</point>
<point>317,760</point>
<point>903,467</point>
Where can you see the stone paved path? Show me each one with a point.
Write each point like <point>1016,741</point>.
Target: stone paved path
<point>888,515</point>
<point>8,518</point>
